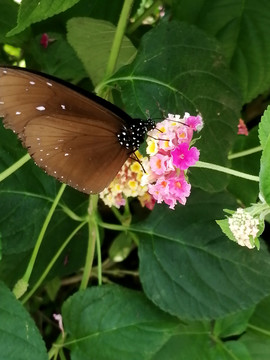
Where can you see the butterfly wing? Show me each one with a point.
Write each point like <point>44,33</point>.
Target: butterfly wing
<point>71,136</point>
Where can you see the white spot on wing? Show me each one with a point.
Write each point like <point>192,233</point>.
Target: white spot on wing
<point>18,112</point>
<point>63,107</point>
<point>1,102</point>
<point>41,108</point>
<point>66,154</point>
<point>4,71</point>
<point>32,82</point>
<point>48,83</point>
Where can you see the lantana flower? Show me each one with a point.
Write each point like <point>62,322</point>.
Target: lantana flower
<point>244,228</point>
<point>161,177</point>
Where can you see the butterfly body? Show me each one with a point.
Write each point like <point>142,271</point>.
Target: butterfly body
<point>77,137</point>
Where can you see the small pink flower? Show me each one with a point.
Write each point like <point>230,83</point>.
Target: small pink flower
<point>183,134</point>
<point>183,157</point>
<point>45,40</point>
<point>171,201</point>
<point>159,163</point>
<point>159,189</point>
<point>147,200</point>
<point>180,188</point>
<point>242,129</point>
<point>195,122</point>
<point>166,141</point>
<point>58,318</point>
<point>119,201</point>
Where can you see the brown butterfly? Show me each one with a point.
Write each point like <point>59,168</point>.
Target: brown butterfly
<point>75,136</point>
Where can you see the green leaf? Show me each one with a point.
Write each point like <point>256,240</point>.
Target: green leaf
<point>0,247</point>
<point>109,322</point>
<point>238,349</point>
<point>8,17</point>
<point>224,225</point>
<point>233,325</point>
<point>92,40</point>
<point>264,127</point>
<point>178,69</point>
<point>20,338</point>
<point>261,315</point>
<point>97,9</point>
<point>243,31</point>
<point>265,171</point>
<point>192,343</point>
<point>26,197</point>
<point>52,287</point>
<point>197,341</point>
<point>186,264</point>
<point>256,338</point>
<point>58,59</point>
<point>32,11</point>
<point>19,228</point>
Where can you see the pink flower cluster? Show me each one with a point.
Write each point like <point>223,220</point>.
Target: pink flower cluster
<point>170,156</point>
<point>161,177</point>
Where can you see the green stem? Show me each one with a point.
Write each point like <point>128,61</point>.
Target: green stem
<point>56,348</point>
<point>99,258</point>
<point>259,330</point>
<point>31,263</point>
<point>205,165</point>
<point>92,237</point>
<point>125,218</point>
<point>245,153</point>
<point>71,214</point>
<point>62,355</point>
<point>113,226</point>
<point>52,262</point>
<point>116,213</point>
<point>14,167</point>
<point>118,37</point>
<point>140,19</point>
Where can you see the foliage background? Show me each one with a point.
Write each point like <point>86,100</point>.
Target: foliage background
<point>191,293</point>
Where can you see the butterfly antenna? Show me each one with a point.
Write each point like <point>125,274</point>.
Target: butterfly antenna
<point>138,160</point>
